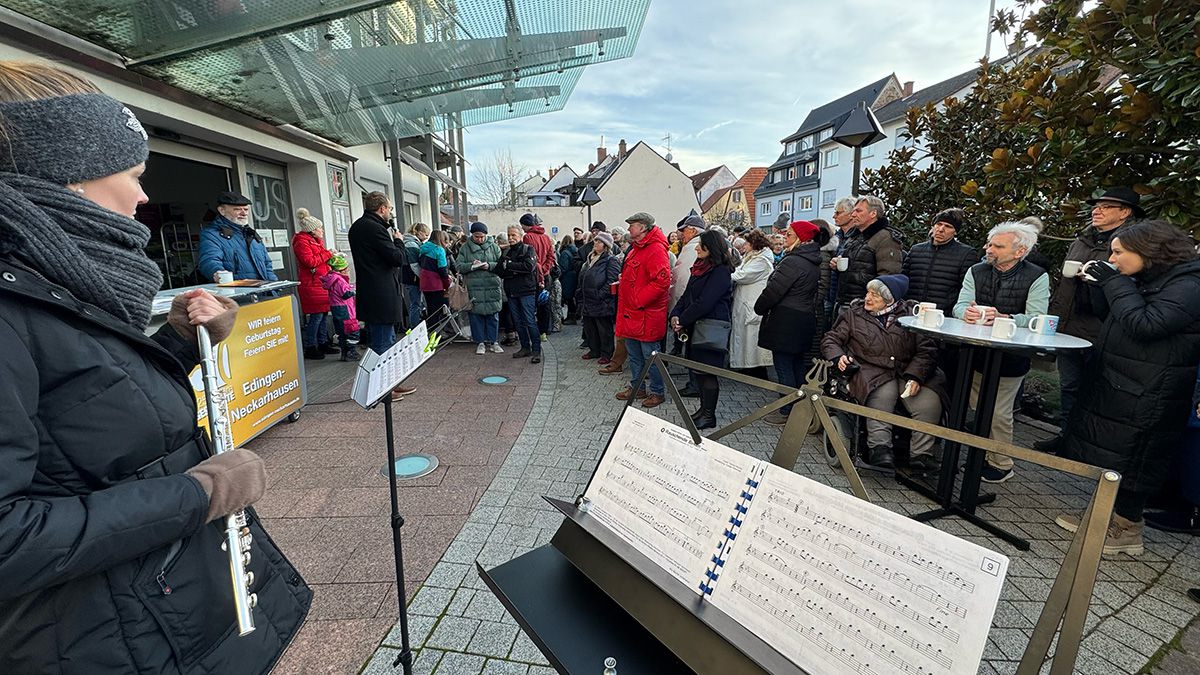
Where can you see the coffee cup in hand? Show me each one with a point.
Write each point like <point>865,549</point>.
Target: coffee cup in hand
<point>843,264</point>
<point>984,313</point>
<point>1071,268</point>
<point>224,276</point>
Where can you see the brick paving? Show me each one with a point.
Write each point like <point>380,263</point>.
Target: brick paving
<point>457,626</point>
<point>327,504</point>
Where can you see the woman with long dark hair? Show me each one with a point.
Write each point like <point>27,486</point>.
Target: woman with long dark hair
<point>1131,415</point>
<point>706,298</point>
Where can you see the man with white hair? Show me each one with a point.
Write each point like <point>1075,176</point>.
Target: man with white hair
<point>1004,285</point>
<point>689,229</point>
<point>230,244</point>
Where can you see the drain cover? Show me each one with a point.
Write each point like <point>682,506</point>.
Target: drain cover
<point>493,379</point>
<point>412,466</point>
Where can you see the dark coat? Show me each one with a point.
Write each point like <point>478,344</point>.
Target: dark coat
<point>872,252</point>
<point>1073,300</point>
<point>377,261</point>
<point>1132,413</point>
<point>518,269</point>
<point>88,404</point>
<point>788,303</point>
<point>707,296</point>
<point>935,273</point>
<point>883,353</point>
<point>593,294</point>
<point>570,273</point>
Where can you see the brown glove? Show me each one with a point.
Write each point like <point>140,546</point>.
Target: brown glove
<point>232,480</point>
<point>197,306</point>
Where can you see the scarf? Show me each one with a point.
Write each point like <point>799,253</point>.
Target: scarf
<point>92,252</point>
<point>701,267</point>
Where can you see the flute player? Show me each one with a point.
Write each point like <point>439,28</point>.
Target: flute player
<point>110,505</point>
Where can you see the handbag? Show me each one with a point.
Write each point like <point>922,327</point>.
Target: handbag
<point>458,296</point>
<point>710,334</point>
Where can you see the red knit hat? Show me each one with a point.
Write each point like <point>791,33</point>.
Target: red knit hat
<point>804,230</point>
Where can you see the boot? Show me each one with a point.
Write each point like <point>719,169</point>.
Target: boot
<point>1123,536</point>
<point>708,409</point>
<point>350,354</point>
<point>329,348</point>
<point>314,353</point>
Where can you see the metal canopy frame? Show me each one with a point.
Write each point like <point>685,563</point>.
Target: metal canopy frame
<point>1065,610</point>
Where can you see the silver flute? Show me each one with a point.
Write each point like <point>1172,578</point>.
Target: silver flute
<point>237,533</point>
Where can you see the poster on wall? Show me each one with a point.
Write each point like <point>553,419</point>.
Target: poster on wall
<point>258,366</point>
<point>338,190</point>
<point>341,217</point>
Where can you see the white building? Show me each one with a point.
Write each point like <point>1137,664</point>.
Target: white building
<point>707,182</point>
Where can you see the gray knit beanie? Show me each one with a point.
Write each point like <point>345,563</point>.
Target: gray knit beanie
<point>70,139</point>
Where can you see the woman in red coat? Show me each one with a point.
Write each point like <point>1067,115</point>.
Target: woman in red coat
<point>312,263</point>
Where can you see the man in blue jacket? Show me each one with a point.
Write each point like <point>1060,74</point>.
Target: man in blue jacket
<point>229,244</point>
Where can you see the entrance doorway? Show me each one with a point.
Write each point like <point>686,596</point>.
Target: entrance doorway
<point>182,193</point>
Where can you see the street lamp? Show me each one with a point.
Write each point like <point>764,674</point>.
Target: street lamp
<point>858,131</point>
<point>588,198</point>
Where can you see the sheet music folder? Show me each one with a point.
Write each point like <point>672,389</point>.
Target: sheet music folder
<point>378,374</point>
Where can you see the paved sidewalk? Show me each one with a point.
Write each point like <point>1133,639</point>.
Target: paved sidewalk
<point>458,627</point>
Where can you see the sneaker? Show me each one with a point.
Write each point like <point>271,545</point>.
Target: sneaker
<point>1123,536</point>
<point>545,337</point>
<point>924,465</point>
<point>496,348</point>
<point>610,369</point>
<point>1051,445</point>
<point>397,396</point>
<point>509,340</point>
<point>993,475</point>
<point>777,418</point>
<point>522,353</point>
<point>652,401</point>
<point>350,356</point>
<point>624,394</point>
<point>480,349</point>
<point>404,391</point>
<point>536,358</point>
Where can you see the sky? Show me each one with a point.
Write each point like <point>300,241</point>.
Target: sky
<point>727,79</point>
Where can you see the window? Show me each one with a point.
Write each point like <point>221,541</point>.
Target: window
<point>828,199</point>
<point>791,148</point>
<point>810,168</point>
<point>764,209</point>
<point>806,203</point>
<point>825,134</point>
<point>831,157</point>
<point>777,176</point>
<point>737,196</point>
<point>806,142</point>
<point>792,173</point>
<point>785,205</point>
<point>868,151</point>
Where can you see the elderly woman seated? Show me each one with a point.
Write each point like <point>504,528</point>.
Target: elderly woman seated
<point>882,361</point>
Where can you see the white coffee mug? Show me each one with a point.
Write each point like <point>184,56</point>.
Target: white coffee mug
<point>1044,324</point>
<point>1004,328</point>
<point>923,307</point>
<point>843,264</point>
<point>224,277</point>
<point>1071,268</point>
<point>932,318</point>
<point>983,313</point>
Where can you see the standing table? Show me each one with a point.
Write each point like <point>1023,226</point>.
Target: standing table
<point>978,345</point>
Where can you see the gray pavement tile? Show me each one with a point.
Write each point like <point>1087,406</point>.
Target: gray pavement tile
<point>448,574</point>
<point>460,664</point>
<point>1144,643</point>
<point>497,667</point>
<point>464,552</point>
<point>1127,659</point>
<point>462,598</point>
<point>493,639</point>
<point>476,531</point>
<point>418,629</point>
<point>542,670</point>
<point>484,605</point>
<point>526,652</point>
<point>1155,626</point>
<point>1178,663</point>
<point>453,633</point>
<point>430,601</point>
<point>1091,663</point>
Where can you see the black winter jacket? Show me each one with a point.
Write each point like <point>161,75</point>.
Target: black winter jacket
<point>593,296</point>
<point>707,296</point>
<point>1073,300</point>
<point>788,303</point>
<point>518,269</point>
<point>935,273</point>
<point>1134,408</point>
<point>872,252</point>
<point>377,262</point>
<point>106,565</point>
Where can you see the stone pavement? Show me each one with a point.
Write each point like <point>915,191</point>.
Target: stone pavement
<point>327,503</point>
<point>459,628</point>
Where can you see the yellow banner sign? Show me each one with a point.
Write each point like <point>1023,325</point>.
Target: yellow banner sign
<point>258,366</point>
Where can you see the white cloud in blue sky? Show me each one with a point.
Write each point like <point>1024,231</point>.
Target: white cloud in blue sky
<point>728,79</point>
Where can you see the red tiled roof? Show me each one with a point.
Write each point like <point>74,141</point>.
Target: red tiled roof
<point>750,181</point>
<point>703,177</point>
<point>714,198</point>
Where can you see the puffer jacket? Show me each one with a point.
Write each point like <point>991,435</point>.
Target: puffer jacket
<point>872,252</point>
<point>435,272</point>
<point>312,264</point>
<point>1133,409</point>
<point>1073,300</point>
<point>225,245</point>
<point>935,272</point>
<point>593,294</point>
<point>518,269</point>
<point>883,352</point>
<point>788,303</point>
<point>644,289</point>
<point>483,285</point>
<point>106,564</point>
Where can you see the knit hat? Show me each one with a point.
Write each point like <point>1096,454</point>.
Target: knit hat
<point>606,238</point>
<point>529,220</point>
<point>599,226</point>
<point>478,227</point>
<point>890,287</point>
<point>337,262</point>
<point>804,230</point>
<point>71,139</point>
<point>306,222</point>
<point>952,217</point>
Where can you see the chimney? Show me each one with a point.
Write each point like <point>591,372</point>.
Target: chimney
<point>908,89</point>
<point>601,153</point>
<point>621,150</point>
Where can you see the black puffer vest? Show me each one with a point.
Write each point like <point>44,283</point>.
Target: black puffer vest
<point>935,273</point>
<point>1008,293</point>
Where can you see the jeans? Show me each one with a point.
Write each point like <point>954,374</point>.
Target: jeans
<point>524,313</point>
<point>1072,367</point>
<point>639,353</point>
<point>316,330</point>
<point>484,328</point>
<point>415,301</point>
<point>789,368</point>
<point>383,336</point>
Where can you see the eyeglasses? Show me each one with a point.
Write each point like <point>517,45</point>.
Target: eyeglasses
<point>1105,206</point>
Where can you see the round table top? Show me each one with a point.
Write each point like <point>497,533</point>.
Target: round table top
<point>957,330</point>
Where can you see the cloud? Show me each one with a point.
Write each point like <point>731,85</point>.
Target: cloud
<point>714,127</point>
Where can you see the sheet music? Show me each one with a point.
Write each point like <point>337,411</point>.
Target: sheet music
<point>666,496</point>
<point>839,585</point>
<point>376,376</point>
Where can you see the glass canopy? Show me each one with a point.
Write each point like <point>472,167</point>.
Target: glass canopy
<point>358,71</point>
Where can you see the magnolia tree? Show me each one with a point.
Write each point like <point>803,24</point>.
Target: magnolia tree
<point>1107,97</point>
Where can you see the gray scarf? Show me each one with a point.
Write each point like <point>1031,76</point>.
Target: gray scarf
<point>94,253</point>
